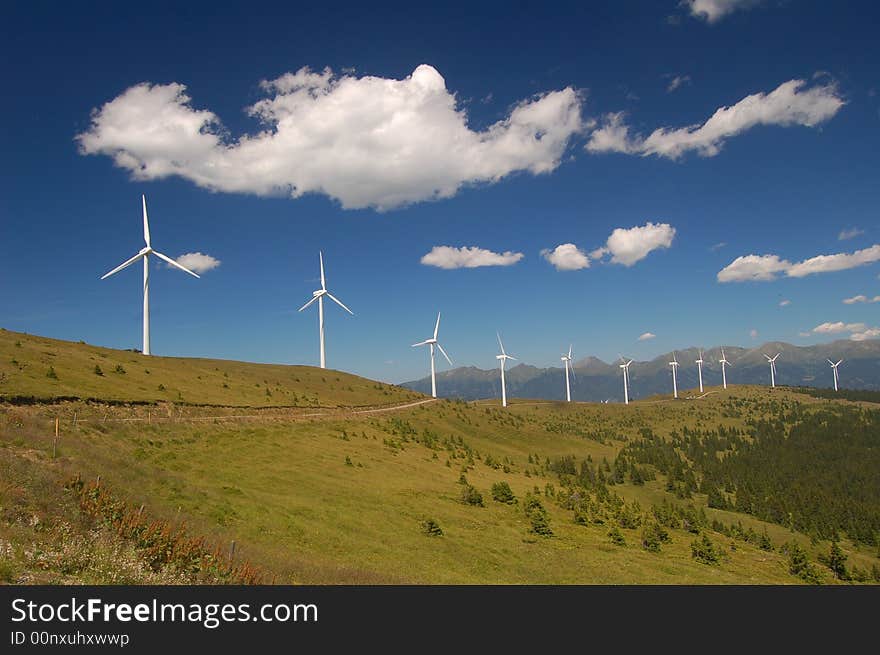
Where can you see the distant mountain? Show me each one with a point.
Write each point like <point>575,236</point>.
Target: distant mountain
<point>595,380</point>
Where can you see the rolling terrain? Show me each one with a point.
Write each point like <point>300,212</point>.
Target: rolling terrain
<point>597,381</point>
<point>375,484</point>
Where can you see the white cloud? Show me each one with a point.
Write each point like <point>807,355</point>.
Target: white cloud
<point>714,10</point>
<point>840,326</point>
<point>750,268</point>
<point>468,257</point>
<point>784,303</point>
<point>366,142</point>
<point>677,82</point>
<point>718,246</point>
<point>858,331</point>
<point>870,333</point>
<point>753,268</point>
<point>860,298</point>
<point>804,334</point>
<point>630,245</point>
<point>566,257</point>
<point>849,233</point>
<point>753,334</point>
<point>197,262</point>
<point>791,103</point>
<point>646,336</point>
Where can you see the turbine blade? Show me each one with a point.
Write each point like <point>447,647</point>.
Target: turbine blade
<point>420,343</point>
<point>830,362</point>
<point>444,354</point>
<point>500,344</point>
<point>309,303</point>
<point>839,363</point>
<point>174,263</point>
<point>512,357</point>
<point>339,302</point>
<point>124,264</point>
<point>146,222</point>
<point>437,326</point>
<point>321,258</point>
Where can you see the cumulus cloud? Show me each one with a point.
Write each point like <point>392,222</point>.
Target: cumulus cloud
<point>630,245</point>
<point>647,335</point>
<point>784,303</point>
<point>468,257</point>
<point>750,268</point>
<point>860,298</point>
<point>849,233</point>
<point>566,257</point>
<point>840,326</point>
<point>364,141</point>
<point>858,331</point>
<point>197,262</point>
<point>713,11</point>
<point>791,103</point>
<point>677,82</point>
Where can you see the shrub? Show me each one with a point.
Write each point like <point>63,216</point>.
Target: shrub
<point>431,528</point>
<point>703,550</point>
<point>51,373</point>
<point>616,536</point>
<point>836,561</point>
<point>119,369</point>
<point>470,496</point>
<point>502,493</point>
<point>537,516</point>
<point>653,536</point>
<point>799,565</point>
<point>98,370</point>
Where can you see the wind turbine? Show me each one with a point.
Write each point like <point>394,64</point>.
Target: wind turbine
<point>674,364</point>
<point>144,254</point>
<point>319,296</point>
<point>699,363</point>
<point>723,361</point>
<point>433,342</point>
<point>772,361</point>
<point>834,368</point>
<point>567,361</point>
<point>503,357</point>
<point>625,368</point>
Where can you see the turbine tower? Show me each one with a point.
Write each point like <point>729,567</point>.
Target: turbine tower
<point>674,364</point>
<point>433,342</point>
<point>144,254</point>
<point>625,367</point>
<point>319,296</point>
<point>834,369</point>
<point>699,363</point>
<point>566,359</point>
<point>503,357</point>
<point>723,361</point>
<point>772,362</point>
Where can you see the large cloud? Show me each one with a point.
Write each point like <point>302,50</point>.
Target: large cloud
<point>858,331</point>
<point>630,245</point>
<point>468,257</point>
<point>714,10</point>
<point>791,103</point>
<point>749,268</point>
<point>566,257</point>
<point>365,141</point>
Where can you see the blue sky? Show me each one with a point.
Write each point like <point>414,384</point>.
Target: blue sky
<point>525,130</point>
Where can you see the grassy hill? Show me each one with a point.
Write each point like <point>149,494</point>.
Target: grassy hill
<point>48,369</point>
<point>341,497</point>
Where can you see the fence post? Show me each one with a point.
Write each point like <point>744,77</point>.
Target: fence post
<point>74,420</point>
<point>231,552</point>
<point>55,440</point>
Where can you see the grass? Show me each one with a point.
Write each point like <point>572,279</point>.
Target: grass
<point>344,498</point>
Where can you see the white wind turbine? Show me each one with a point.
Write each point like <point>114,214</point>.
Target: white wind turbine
<point>625,367</point>
<point>699,363</point>
<point>144,254</point>
<point>723,361</point>
<point>566,359</point>
<point>834,368</point>
<point>503,357</point>
<point>674,364</point>
<point>319,296</point>
<point>772,362</point>
<point>433,342</point>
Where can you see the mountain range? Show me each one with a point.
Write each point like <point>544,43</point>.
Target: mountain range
<point>597,381</point>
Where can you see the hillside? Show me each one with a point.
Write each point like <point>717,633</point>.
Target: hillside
<point>440,492</point>
<point>597,381</point>
<point>47,369</point>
